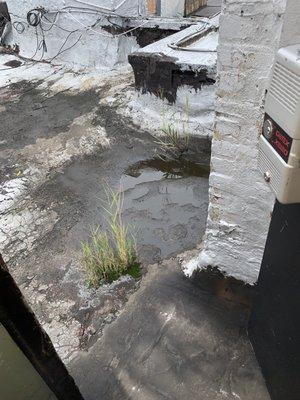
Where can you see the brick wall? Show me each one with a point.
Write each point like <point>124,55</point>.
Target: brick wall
<point>240,201</point>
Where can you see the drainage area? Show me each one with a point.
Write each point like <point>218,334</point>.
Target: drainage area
<point>165,205</point>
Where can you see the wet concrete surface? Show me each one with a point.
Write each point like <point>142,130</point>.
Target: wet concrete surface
<point>45,116</point>
<point>166,215</point>
<point>13,63</point>
<point>176,339</point>
<point>173,339</point>
<point>165,203</point>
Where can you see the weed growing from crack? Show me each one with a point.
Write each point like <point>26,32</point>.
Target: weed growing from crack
<point>175,139</point>
<point>112,253</point>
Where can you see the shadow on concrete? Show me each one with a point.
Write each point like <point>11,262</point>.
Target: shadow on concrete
<point>174,340</point>
<point>31,114</point>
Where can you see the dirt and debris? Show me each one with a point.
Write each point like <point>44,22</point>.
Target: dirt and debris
<point>64,137</point>
<point>13,63</point>
<point>160,75</point>
<point>62,140</point>
<point>144,35</point>
<point>174,340</point>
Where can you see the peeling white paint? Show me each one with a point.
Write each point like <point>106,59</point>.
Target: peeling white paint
<point>190,60</point>
<point>193,110</point>
<point>200,262</point>
<point>240,201</point>
<point>21,223</point>
<point>73,37</point>
<point>10,191</point>
<point>172,8</point>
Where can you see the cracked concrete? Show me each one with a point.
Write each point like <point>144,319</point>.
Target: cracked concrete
<point>176,339</point>
<point>66,141</point>
<point>47,122</point>
<point>165,337</point>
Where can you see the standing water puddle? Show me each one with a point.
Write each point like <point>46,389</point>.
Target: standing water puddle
<point>165,203</point>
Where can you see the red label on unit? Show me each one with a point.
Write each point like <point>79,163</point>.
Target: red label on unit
<point>277,138</point>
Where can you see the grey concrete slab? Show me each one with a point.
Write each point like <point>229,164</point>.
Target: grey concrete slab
<point>212,8</point>
<point>174,340</point>
<point>51,150</point>
<point>208,11</point>
<point>214,3</point>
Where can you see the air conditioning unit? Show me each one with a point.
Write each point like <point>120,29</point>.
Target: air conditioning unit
<point>279,144</point>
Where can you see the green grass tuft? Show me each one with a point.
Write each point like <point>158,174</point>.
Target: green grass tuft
<point>111,254</point>
<point>175,137</point>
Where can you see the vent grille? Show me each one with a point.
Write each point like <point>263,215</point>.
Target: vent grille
<point>285,87</point>
<point>266,165</point>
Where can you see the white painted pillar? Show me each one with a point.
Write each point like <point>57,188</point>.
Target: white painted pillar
<point>291,24</point>
<point>240,201</point>
<point>172,8</point>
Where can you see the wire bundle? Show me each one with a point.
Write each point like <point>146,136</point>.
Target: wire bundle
<point>40,19</point>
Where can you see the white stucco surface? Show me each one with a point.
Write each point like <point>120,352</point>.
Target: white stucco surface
<point>172,8</point>
<point>240,201</point>
<point>291,26</point>
<point>193,112</point>
<point>191,58</point>
<point>73,36</point>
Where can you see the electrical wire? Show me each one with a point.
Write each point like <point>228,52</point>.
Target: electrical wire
<point>90,28</point>
<point>113,23</point>
<point>34,17</point>
<point>55,24</point>
<point>68,11</point>
<point>38,18</point>
<point>71,9</point>
<point>40,45</point>
<point>68,48</point>
<point>101,7</point>
<point>19,27</point>
<point>46,21</point>
<point>74,9</point>
<point>18,16</point>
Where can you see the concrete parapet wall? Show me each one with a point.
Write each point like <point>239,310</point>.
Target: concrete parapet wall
<point>74,35</point>
<point>240,201</point>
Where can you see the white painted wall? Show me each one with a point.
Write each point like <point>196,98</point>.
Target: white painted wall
<point>240,201</point>
<point>94,47</point>
<point>172,8</point>
<point>291,26</point>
